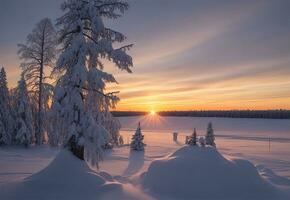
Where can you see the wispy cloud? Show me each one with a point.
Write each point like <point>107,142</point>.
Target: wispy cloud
<point>192,54</point>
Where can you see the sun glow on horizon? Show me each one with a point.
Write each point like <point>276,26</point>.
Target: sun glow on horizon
<point>152,112</point>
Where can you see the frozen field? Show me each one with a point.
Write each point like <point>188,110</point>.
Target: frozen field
<point>236,138</point>
<point>243,138</point>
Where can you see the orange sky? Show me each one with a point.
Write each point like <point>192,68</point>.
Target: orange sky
<point>189,57</point>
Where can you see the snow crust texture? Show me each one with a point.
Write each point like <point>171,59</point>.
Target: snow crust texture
<point>66,177</point>
<point>194,172</point>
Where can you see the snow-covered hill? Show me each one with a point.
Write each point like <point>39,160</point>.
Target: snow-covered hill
<point>203,173</point>
<point>67,178</point>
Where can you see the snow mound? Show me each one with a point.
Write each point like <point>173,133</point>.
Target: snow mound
<point>66,177</point>
<point>203,173</point>
<point>272,177</point>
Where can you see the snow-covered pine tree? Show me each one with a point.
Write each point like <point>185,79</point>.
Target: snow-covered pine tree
<point>79,94</point>
<point>6,119</point>
<point>209,137</point>
<point>192,140</point>
<point>100,108</point>
<point>23,121</point>
<point>111,124</point>
<point>38,54</point>
<point>137,143</point>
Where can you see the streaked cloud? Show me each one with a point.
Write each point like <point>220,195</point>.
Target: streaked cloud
<point>189,54</point>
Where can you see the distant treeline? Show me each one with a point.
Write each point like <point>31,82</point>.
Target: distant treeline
<point>266,114</point>
<point>128,113</point>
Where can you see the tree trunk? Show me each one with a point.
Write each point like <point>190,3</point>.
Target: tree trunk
<point>39,131</point>
<point>39,128</point>
<point>76,149</point>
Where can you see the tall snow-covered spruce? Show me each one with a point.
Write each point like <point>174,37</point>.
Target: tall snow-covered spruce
<point>39,53</point>
<point>80,101</point>
<point>137,143</point>
<point>209,137</point>
<point>6,119</point>
<point>23,121</point>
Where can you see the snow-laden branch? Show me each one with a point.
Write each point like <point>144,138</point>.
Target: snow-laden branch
<point>110,95</point>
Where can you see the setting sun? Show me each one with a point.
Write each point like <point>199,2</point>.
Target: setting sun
<point>152,112</point>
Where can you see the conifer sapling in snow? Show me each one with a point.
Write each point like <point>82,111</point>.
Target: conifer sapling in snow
<point>137,140</point>
<point>192,140</point>
<point>209,137</point>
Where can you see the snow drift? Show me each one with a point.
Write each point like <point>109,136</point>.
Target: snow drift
<point>66,177</point>
<point>203,173</point>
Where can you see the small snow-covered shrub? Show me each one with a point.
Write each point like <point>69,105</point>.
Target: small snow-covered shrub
<point>201,141</point>
<point>192,140</point>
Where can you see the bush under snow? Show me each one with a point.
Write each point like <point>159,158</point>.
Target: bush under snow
<point>203,173</point>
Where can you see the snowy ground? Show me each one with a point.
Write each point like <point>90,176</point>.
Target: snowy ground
<point>17,163</point>
<point>160,144</point>
<point>237,138</point>
<point>242,138</point>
